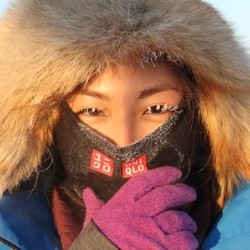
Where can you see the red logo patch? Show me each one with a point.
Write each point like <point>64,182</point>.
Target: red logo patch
<point>135,167</point>
<point>101,163</point>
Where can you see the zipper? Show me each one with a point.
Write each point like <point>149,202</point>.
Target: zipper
<point>8,244</point>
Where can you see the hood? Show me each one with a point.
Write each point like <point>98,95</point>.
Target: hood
<point>48,48</point>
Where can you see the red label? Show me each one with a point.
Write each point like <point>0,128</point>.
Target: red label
<point>101,163</point>
<point>135,167</point>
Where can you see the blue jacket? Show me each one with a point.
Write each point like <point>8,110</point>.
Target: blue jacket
<point>232,230</point>
<point>26,222</point>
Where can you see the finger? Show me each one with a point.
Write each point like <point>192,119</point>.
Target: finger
<point>91,199</point>
<point>92,203</point>
<point>173,221</point>
<point>181,241</point>
<point>140,185</point>
<point>165,197</point>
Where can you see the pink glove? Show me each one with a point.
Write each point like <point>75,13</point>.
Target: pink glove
<point>139,216</point>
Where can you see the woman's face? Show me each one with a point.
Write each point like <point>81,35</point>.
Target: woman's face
<point>126,103</point>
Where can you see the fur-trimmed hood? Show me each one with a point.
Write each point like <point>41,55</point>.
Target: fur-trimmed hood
<point>47,48</point>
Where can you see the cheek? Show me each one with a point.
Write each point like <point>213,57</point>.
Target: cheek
<point>149,124</point>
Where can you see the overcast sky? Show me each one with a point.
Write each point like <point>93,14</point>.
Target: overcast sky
<point>235,11</point>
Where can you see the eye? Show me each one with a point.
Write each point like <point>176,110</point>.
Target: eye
<point>90,112</point>
<point>160,108</point>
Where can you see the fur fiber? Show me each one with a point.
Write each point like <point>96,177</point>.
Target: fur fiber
<point>48,48</point>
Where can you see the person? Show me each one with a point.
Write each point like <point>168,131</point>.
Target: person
<point>124,124</point>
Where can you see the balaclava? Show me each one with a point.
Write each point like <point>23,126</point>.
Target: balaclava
<point>90,159</point>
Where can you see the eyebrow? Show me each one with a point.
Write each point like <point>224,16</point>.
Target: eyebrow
<point>96,94</point>
<point>143,94</point>
<point>148,92</point>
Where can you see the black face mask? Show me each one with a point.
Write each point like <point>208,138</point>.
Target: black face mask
<point>91,160</point>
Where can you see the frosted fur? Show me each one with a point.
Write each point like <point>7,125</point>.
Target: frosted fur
<point>47,48</point>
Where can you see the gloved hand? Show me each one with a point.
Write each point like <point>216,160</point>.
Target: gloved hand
<point>140,215</point>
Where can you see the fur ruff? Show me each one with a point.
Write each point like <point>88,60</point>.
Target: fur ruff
<point>48,48</point>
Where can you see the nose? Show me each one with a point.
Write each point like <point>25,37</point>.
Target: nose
<point>123,131</point>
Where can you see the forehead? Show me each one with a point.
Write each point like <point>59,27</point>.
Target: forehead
<point>132,75</point>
